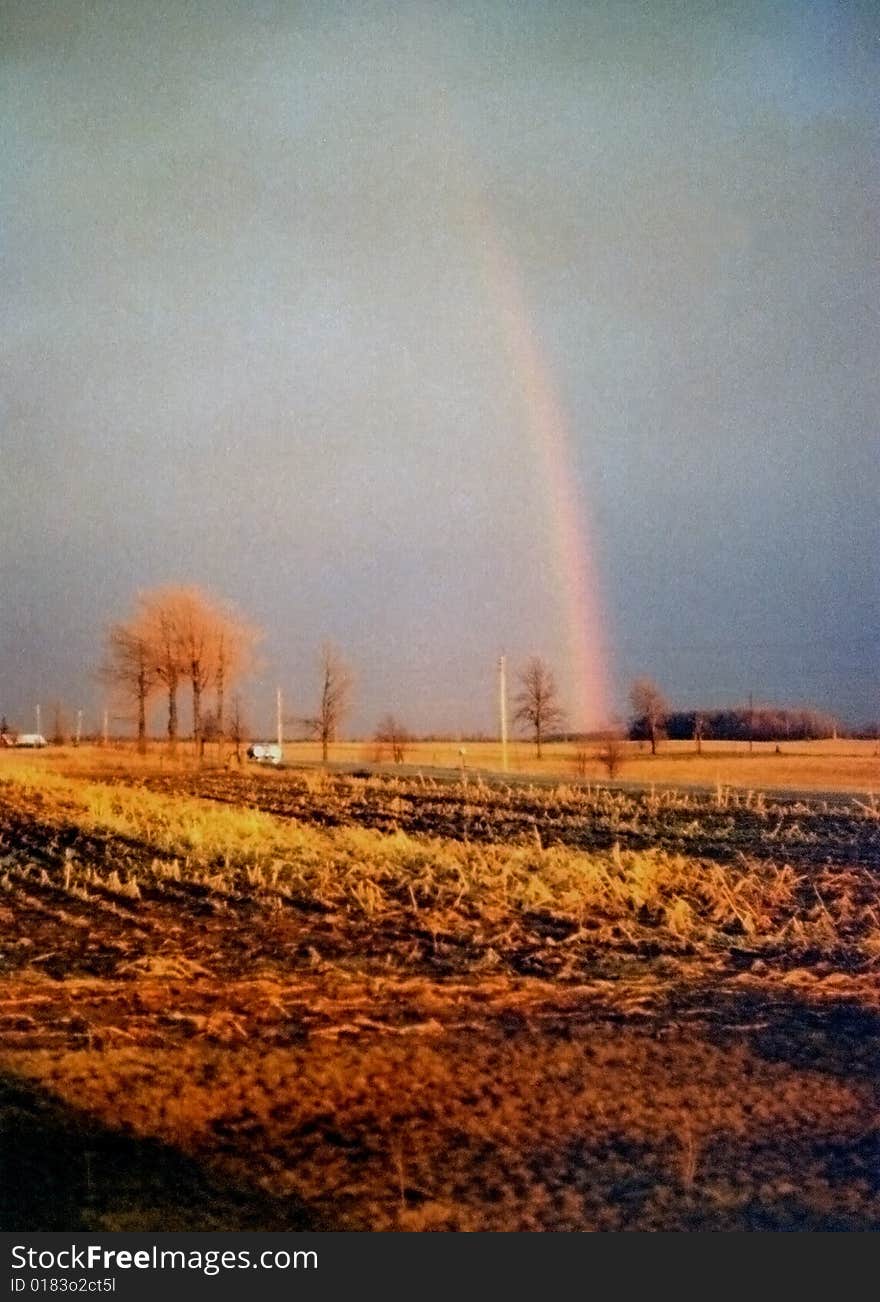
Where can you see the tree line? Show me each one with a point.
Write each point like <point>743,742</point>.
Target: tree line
<point>653,719</point>
<point>180,639</point>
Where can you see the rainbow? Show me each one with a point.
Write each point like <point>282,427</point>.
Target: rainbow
<point>575,579</point>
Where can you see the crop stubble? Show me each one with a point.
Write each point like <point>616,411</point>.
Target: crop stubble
<point>390,1005</point>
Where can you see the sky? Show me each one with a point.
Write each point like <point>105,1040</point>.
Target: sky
<point>442,331</point>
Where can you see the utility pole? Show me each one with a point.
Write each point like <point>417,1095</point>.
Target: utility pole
<point>279,727</point>
<point>502,707</point>
<point>105,727</point>
<point>39,729</point>
<point>79,724</point>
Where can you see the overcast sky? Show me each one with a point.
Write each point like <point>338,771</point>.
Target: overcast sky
<point>250,342</point>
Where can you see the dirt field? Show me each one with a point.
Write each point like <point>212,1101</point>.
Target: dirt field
<point>284,1000</point>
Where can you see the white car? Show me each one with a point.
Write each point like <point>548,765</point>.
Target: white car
<point>265,752</point>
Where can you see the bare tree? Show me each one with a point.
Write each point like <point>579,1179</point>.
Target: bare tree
<point>221,679</point>
<point>238,730</point>
<point>197,626</point>
<point>235,657</point>
<point>128,668</point>
<point>700,729</point>
<point>336,686</point>
<point>392,733</point>
<point>650,708</point>
<point>180,634</point>
<point>155,622</point>
<point>537,702</point>
<point>612,750</point>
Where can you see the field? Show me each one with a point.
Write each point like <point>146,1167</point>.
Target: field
<point>838,765</point>
<point>248,999</point>
<point>816,765</point>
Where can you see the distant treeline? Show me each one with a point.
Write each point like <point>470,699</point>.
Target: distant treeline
<point>763,723</point>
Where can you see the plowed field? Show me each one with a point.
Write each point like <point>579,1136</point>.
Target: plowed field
<point>278,1000</point>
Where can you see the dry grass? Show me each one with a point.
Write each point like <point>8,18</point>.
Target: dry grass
<point>810,766</point>
<point>456,886</point>
<point>819,765</point>
<point>508,1034</point>
<point>840,765</point>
